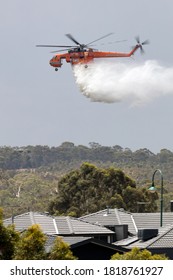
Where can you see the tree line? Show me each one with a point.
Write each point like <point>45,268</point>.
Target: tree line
<point>41,156</point>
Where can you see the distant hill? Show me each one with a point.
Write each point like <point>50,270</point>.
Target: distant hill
<point>33,166</point>
<point>140,164</point>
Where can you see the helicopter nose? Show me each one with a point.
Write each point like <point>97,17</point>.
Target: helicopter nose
<point>55,62</point>
<point>51,62</point>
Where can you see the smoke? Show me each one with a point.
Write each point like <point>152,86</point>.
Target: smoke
<point>110,81</point>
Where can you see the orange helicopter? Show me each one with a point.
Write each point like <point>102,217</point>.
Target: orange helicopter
<point>83,53</point>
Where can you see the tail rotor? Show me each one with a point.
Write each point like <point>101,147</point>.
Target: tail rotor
<point>140,45</point>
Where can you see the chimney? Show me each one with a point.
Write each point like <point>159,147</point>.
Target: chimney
<point>121,232</point>
<point>171,205</point>
<point>147,233</point>
<point>108,212</point>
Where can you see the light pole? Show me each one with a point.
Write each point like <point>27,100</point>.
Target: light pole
<point>153,188</point>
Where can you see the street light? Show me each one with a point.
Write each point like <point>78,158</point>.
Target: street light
<point>153,189</point>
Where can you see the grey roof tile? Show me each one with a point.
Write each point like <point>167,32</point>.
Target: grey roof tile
<point>111,217</point>
<point>57,225</point>
<point>127,241</point>
<point>71,240</point>
<point>23,221</point>
<point>165,240</point>
<point>69,225</point>
<point>152,220</point>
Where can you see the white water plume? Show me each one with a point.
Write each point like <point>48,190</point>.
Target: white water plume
<point>118,81</point>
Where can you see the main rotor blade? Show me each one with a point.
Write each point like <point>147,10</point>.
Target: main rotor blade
<point>137,39</point>
<point>100,38</point>
<point>72,38</point>
<point>55,46</point>
<point>61,50</point>
<point>142,50</point>
<point>146,42</point>
<point>114,42</point>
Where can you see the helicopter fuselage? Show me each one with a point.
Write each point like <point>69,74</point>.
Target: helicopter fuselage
<point>78,56</point>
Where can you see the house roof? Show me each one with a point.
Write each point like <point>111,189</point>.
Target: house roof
<point>71,240</point>
<point>77,241</point>
<point>111,217</point>
<point>152,220</point>
<point>137,221</point>
<point>23,221</point>
<point>57,225</point>
<point>164,239</point>
<point>69,225</point>
<point>94,224</point>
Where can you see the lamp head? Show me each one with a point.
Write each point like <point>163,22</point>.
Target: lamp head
<point>152,188</point>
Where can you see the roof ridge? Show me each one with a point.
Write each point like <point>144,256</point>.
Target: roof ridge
<point>90,223</point>
<point>91,214</point>
<point>134,223</point>
<point>117,215</point>
<point>31,215</point>
<point>68,219</point>
<point>55,225</point>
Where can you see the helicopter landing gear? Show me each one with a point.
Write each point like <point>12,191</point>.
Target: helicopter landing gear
<point>56,69</point>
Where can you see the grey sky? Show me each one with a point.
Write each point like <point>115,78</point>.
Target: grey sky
<point>41,106</point>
